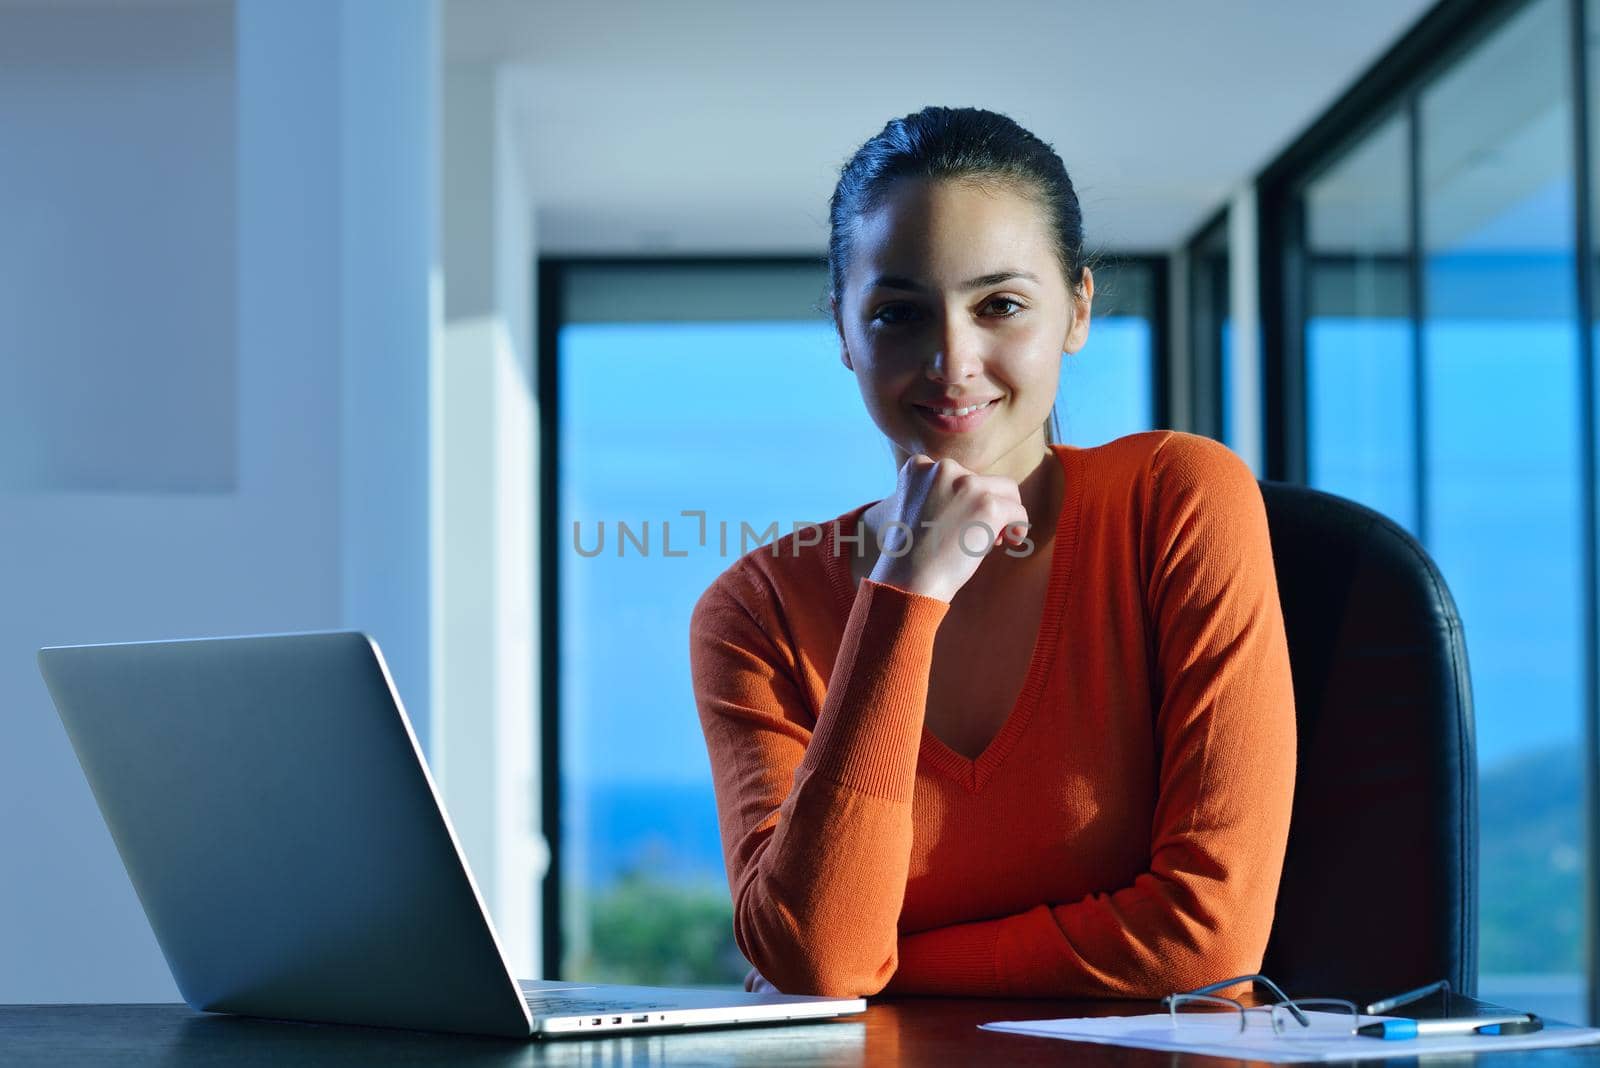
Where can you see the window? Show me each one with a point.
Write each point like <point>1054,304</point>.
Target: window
<point>1435,316</point>
<point>714,387</point>
<point>1361,424</point>
<point>1111,388</point>
<point>1501,467</point>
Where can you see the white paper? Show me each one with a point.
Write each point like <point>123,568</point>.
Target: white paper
<point>1328,1040</point>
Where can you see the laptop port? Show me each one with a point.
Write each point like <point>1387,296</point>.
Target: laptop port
<point>642,1019</point>
<point>597,1021</point>
<point>616,1019</point>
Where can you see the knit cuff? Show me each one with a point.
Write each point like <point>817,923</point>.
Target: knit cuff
<point>959,960</point>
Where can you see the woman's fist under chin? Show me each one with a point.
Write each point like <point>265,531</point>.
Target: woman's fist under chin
<point>940,524</point>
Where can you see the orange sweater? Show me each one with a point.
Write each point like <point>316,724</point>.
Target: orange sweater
<point>1123,834</point>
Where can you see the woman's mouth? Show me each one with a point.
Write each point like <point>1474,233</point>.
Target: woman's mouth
<point>956,420</point>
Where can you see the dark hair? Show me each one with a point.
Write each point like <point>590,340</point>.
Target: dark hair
<point>969,144</point>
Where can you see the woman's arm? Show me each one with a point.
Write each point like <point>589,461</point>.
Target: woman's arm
<point>815,819</point>
<point>1226,729</point>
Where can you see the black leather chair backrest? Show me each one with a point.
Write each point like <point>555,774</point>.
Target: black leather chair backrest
<point>1379,890</point>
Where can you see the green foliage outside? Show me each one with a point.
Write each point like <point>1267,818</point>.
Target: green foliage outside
<point>654,931</point>
<point>657,933</point>
<point>1530,866</point>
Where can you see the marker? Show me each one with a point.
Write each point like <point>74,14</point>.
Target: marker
<point>1521,1024</point>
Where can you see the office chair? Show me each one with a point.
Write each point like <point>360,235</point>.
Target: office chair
<point>1380,883</point>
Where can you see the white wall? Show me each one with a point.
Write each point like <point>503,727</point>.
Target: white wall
<point>116,175</point>
<point>387,124</point>
<point>249,189</point>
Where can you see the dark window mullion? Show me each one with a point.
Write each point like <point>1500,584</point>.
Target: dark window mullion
<point>1160,313</point>
<point>547,359</point>
<point>1292,391</point>
<point>1584,264</point>
<point>1419,310</point>
<point>1418,265</point>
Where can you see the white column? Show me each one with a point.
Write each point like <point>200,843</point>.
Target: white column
<point>1246,430</point>
<point>488,646</point>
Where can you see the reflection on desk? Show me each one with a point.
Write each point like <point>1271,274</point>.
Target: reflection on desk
<point>920,1031</point>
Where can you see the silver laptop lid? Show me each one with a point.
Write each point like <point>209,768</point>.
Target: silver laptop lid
<point>273,810</point>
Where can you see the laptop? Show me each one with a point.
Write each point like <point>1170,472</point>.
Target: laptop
<point>281,829</point>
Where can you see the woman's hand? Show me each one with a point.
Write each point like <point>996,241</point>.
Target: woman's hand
<point>757,983</point>
<point>952,519</point>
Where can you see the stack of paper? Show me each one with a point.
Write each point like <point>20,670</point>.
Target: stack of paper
<point>1328,1039</point>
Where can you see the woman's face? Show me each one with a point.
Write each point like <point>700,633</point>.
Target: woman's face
<point>953,297</point>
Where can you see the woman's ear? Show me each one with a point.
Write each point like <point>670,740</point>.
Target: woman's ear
<point>838,326</point>
<point>1082,300</point>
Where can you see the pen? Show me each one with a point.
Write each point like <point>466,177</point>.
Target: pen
<point>1520,1024</point>
<point>1378,1008</point>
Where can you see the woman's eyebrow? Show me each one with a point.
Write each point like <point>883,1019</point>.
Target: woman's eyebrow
<point>895,281</point>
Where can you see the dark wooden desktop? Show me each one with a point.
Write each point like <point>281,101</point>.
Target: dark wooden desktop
<point>893,1031</point>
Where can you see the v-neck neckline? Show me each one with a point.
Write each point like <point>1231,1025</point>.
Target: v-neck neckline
<point>974,772</point>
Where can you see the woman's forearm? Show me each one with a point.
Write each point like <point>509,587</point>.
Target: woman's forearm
<point>817,830</point>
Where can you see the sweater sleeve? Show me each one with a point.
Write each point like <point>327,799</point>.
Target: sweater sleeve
<point>1226,729</point>
<point>815,814</point>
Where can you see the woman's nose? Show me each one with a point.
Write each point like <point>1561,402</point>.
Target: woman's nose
<point>956,358</point>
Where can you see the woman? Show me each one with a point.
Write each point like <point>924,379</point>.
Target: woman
<point>1025,726</point>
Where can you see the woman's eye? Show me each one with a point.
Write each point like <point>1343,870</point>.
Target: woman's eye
<point>1007,300</point>
<point>887,313</point>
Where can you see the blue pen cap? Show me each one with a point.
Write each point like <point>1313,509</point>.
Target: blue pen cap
<point>1520,1027</point>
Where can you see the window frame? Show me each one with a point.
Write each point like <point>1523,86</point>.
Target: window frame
<point>1206,385</point>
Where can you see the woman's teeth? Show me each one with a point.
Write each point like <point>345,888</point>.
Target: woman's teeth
<point>961,411</point>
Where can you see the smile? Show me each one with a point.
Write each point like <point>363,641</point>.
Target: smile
<point>954,420</point>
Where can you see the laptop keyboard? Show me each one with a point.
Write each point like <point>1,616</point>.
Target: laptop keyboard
<point>546,1005</point>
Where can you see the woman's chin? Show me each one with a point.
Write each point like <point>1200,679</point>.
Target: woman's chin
<point>969,454</point>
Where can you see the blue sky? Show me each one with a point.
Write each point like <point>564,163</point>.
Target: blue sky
<point>754,422</point>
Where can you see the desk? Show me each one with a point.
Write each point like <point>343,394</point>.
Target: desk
<point>893,1031</point>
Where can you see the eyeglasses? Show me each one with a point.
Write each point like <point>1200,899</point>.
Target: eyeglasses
<point>1202,1008</point>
